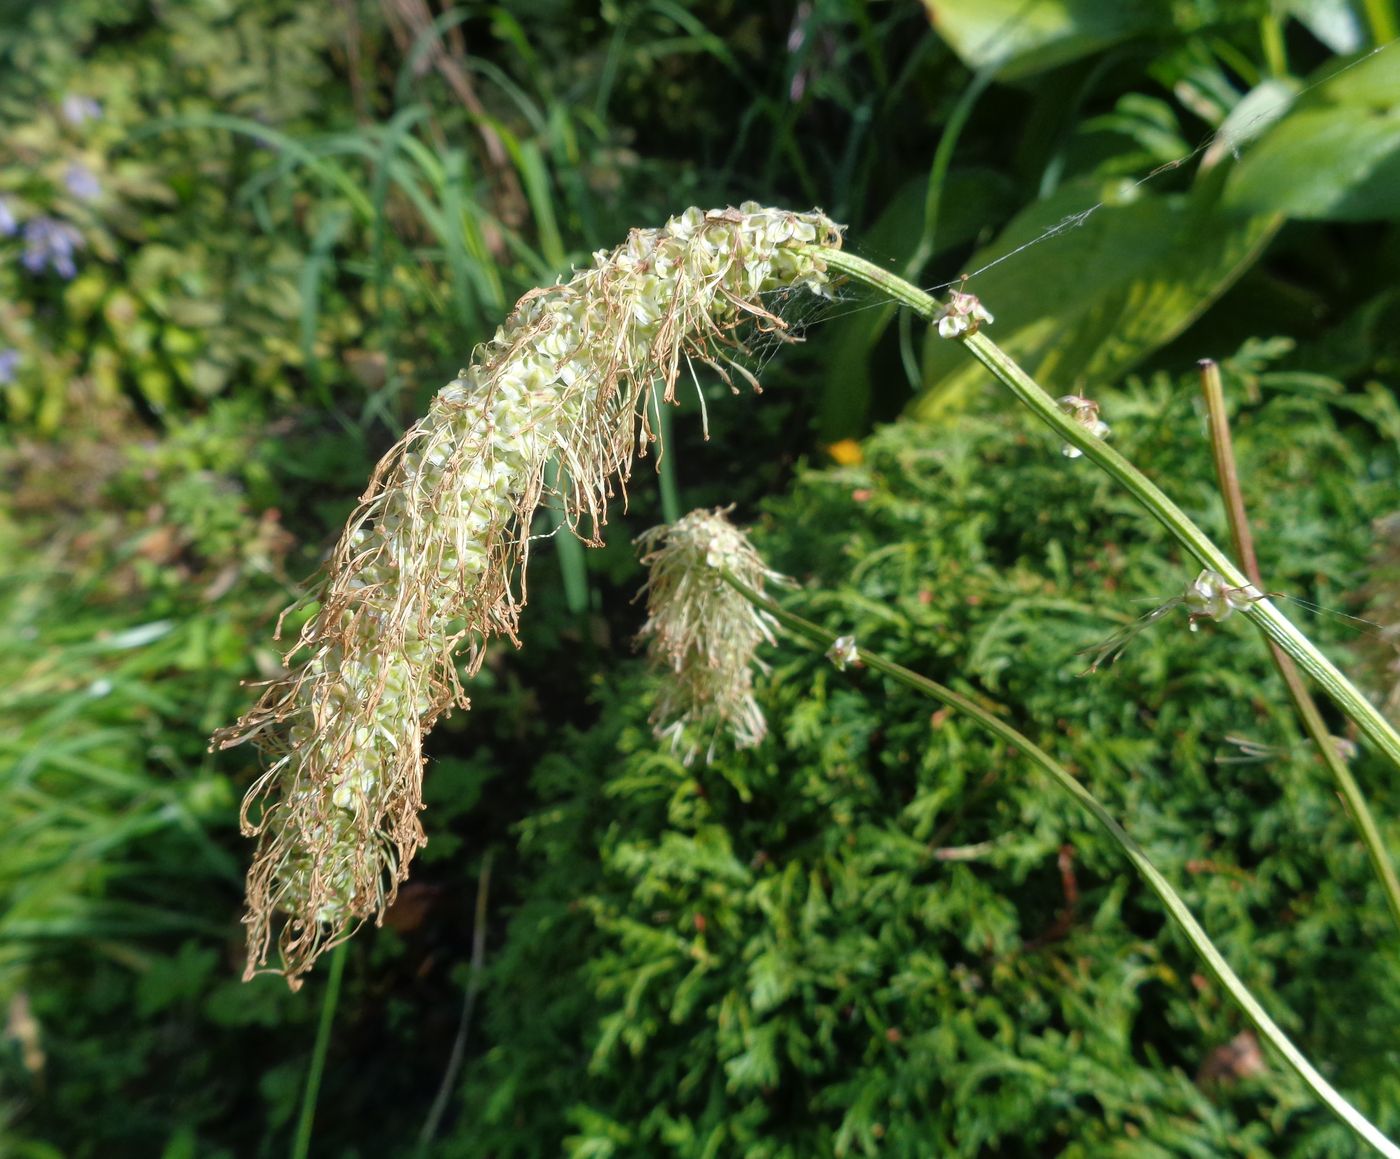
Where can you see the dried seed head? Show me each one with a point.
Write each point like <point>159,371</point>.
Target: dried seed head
<point>431,566</point>
<point>701,634</point>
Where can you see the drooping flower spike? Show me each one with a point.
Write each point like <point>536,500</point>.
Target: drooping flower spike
<point>431,565</point>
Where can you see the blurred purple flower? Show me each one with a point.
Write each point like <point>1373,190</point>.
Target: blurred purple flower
<point>49,242</point>
<point>77,109</point>
<point>8,225</point>
<point>82,182</point>
<point>9,359</point>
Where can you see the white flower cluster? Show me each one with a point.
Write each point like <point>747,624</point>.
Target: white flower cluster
<point>432,563</point>
<point>964,314</point>
<point>702,635</point>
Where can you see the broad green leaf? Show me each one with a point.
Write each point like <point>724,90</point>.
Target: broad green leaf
<point>1336,156</point>
<point>1025,37</point>
<point>1083,306</point>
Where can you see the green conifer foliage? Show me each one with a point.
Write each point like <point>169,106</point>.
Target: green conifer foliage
<point>880,933</point>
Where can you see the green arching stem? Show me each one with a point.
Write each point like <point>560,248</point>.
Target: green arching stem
<point>1263,612</point>
<point>933,200</point>
<point>1225,469</point>
<point>573,563</point>
<point>938,170</point>
<point>665,462</point>
<point>1271,39</point>
<point>1171,900</point>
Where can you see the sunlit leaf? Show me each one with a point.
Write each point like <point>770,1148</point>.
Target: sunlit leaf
<point>1336,156</point>
<point>1337,23</point>
<point>1084,305</point>
<point>1029,36</point>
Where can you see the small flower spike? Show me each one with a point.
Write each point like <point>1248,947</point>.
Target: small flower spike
<point>702,635</point>
<point>431,567</point>
<point>963,314</point>
<point>1085,412</point>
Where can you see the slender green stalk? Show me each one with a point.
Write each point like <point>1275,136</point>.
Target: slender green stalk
<point>1271,40</point>
<point>938,170</point>
<point>1171,900</point>
<point>573,564</point>
<point>933,201</point>
<point>665,462</point>
<point>1380,15</point>
<point>1223,446</point>
<point>1263,612</point>
<point>301,1144</point>
<point>464,1022</point>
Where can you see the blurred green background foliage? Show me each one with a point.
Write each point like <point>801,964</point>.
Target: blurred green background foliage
<point>242,241</point>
